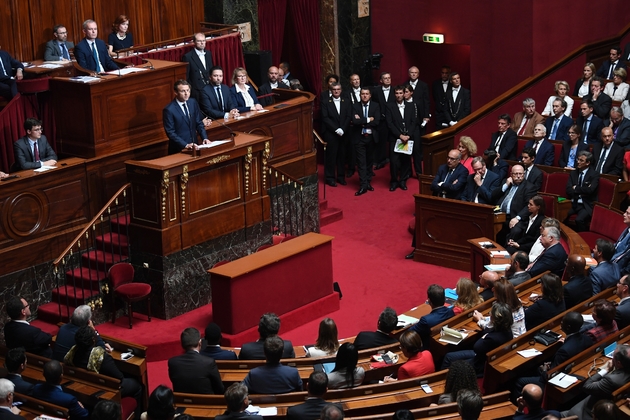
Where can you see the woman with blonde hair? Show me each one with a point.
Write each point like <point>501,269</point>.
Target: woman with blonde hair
<point>468,148</point>
<point>583,85</point>
<point>618,88</point>
<point>562,92</point>
<point>327,342</point>
<point>242,93</point>
<point>467,296</point>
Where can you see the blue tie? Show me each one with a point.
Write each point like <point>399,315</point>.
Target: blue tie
<point>98,64</point>
<point>554,129</point>
<point>64,51</point>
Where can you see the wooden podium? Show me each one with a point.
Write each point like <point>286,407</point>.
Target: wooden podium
<point>179,201</point>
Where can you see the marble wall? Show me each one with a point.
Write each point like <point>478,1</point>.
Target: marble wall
<point>354,43</point>
<point>233,12</point>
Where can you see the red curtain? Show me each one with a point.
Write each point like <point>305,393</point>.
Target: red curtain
<point>271,17</point>
<point>305,15</point>
<point>11,124</point>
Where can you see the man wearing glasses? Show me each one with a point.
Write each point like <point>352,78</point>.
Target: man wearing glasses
<point>58,49</point>
<point>622,315</point>
<point>19,333</point>
<point>33,151</point>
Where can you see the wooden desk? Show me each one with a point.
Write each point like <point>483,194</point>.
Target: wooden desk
<point>35,70</point>
<point>443,227</point>
<point>480,256</point>
<point>115,113</point>
<point>41,213</point>
<point>238,293</point>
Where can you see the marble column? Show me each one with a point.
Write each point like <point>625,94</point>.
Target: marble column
<point>354,35</point>
<point>233,12</point>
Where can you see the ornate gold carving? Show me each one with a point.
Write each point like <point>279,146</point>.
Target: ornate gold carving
<point>183,183</point>
<point>265,158</point>
<point>248,165</point>
<point>218,159</point>
<point>165,178</point>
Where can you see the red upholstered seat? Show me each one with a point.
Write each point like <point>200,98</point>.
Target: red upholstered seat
<point>543,187</point>
<point>606,192</point>
<point>557,183</point>
<point>520,145</point>
<point>557,151</point>
<point>605,223</point>
<point>128,406</point>
<point>549,200</point>
<point>121,277</point>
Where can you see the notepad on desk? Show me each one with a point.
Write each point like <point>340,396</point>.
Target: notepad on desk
<point>451,336</point>
<point>563,380</point>
<point>496,267</point>
<point>406,320</point>
<point>499,254</point>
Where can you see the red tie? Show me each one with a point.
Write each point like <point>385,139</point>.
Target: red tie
<point>522,130</point>
<point>36,152</point>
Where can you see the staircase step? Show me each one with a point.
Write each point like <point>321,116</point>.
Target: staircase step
<point>59,295</point>
<point>75,276</point>
<point>49,313</point>
<point>323,205</point>
<point>96,258</point>
<point>47,327</point>
<point>113,242</point>
<point>329,216</point>
<point>122,220</point>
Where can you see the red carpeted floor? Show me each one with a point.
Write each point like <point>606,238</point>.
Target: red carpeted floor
<point>368,263</point>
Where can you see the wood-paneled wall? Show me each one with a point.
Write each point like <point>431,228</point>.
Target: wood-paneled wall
<point>27,24</point>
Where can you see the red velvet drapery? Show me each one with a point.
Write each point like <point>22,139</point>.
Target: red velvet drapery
<point>305,15</point>
<point>271,19</point>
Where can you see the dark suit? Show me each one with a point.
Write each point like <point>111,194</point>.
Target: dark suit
<point>9,415</point>
<point>85,58</point>
<point>621,133</point>
<point>523,236</point>
<point>399,126</point>
<point>534,176</point>
<point>255,350</point>
<point>518,206</point>
<point>613,165</point>
<point>195,374</point>
<point>53,50</point>
<point>180,129</point>
<point>562,132</point>
<point>23,154</point>
<point>552,259</point>
<point>593,134</point>
<point>563,161</point>
<point>490,182</point>
<point>370,339</point>
<point>421,98</point>
<point>308,410</point>
<point>34,340</point>
<point>455,110</point>
<point>430,320</point>
<point>8,86</point>
<point>604,276</point>
<point>587,192</point>
<point>439,94</point>
<point>623,314</point>
<point>604,70</point>
<point>273,379</point>
<point>239,101</point>
<point>21,386</point>
<point>455,185</point>
<point>601,106</point>
<point>266,89</point>
<point>197,74</point>
<point>363,142</point>
<point>507,148</point>
<point>210,105</point>
<point>577,290</point>
<point>331,121</point>
<point>544,152</point>
<point>519,278</point>
<point>65,341</point>
<point>599,387</point>
<point>217,353</point>
<point>500,168</point>
<point>54,394</point>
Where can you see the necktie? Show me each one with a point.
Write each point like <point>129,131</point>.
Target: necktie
<point>186,111</point>
<point>602,159</point>
<point>499,140</point>
<point>219,98</point>
<point>448,175</point>
<point>581,178</point>
<point>36,152</point>
<point>614,90</point>
<point>522,130</point>
<point>623,236</point>
<point>611,71</point>
<point>505,206</point>
<point>365,115</point>
<point>554,129</point>
<point>64,51</point>
<point>95,55</point>
<point>4,72</point>
<point>536,144</point>
<point>585,129</point>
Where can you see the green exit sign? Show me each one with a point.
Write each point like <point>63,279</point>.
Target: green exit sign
<point>433,38</point>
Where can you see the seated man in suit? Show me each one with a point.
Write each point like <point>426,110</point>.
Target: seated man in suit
<point>590,123</point>
<point>582,188</point>
<point>268,325</point>
<point>451,177</point>
<point>608,67</point>
<point>578,287</point>
<point>439,313</point>
<point>504,140</point>
<point>191,372</point>
<point>51,391</point>
<point>315,402</point>
<point>516,274</point>
<point>8,87</point>
<point>387,322</point>
<point>608,155</point>
<point>622,246</point>
<point>213,344</point>
<point>553,257</point>
<point>19,333</point>
<point>237,399</point>
<point>605,274</point>
<point>557,126</point>
<point>15,362</point>
<point>622,315</point>
<point>532,173</point>
<point>183,121</point>
<point>267,87</point>
<point>512,198</point>
<point>543,150</point>
<point>620,126</point>
<point>525,121</point>
<point>58,49</point>
<point>7,410</point>
<point>91,53</point>
<point>601,102</point>
<point>81,317</point>
<point>216,100</point>
<point>480,185</point>
<point>273,377</point>
<point>199,61</point>
<point>33,151</point>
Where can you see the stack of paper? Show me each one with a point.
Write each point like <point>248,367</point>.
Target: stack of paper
<point>563,380</point>
<point>406,320</point>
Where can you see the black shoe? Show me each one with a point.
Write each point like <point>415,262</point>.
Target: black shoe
<point>403,185</point>
<point>393,186</point>
<point>370,187</point>
<point>349,173</point>
<point>342,182</point>
<point>409,256</point>
<point>361,192</point>
<point>371,173</point>
<point>331,183</point>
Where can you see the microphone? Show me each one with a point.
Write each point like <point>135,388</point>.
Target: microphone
<point>232,133</point>
<point>146,60</point>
